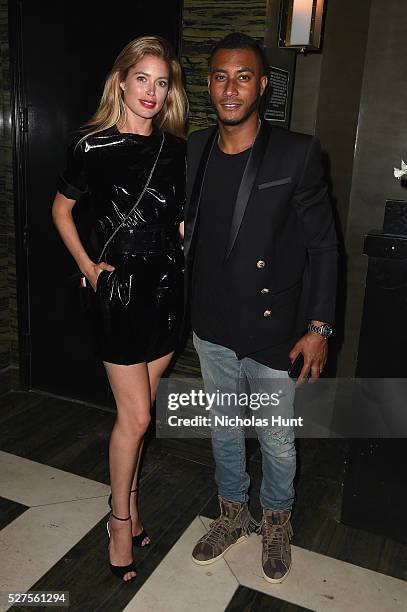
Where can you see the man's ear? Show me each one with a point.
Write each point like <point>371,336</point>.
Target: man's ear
<point>208,82</point>
<point>263,83</point>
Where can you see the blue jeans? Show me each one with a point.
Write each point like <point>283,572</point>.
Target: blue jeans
<point>223,371</point>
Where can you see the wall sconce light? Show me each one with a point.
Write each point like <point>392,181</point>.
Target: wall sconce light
<point>301,24</point>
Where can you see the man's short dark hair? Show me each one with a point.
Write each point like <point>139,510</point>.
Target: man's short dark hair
<point>237,40</point>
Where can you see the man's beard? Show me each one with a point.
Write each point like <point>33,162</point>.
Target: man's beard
<point>250,110</point>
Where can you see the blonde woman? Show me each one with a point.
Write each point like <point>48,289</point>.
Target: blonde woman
<point>128,165</point>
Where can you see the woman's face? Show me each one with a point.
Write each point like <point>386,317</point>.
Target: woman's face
<point>146,86</point>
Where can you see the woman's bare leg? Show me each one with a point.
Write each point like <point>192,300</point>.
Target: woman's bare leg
<point>131,389</point>
<point>155,370</point>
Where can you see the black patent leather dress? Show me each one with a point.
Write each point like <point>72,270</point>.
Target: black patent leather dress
<point>137,308</point>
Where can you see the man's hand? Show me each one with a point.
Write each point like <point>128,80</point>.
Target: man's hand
<point>315,350</point>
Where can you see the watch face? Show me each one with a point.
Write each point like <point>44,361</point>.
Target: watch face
<point>327,330</point>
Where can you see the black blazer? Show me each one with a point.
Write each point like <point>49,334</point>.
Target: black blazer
<point>281,257</point>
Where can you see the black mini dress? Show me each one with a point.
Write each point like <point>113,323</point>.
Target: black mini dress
<point>136,309</point>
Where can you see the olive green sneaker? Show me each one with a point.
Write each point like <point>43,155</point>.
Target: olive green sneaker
<point>277,532</point>
<point>234,525</point>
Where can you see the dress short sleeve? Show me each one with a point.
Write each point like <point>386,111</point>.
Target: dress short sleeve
<point>72,183</point>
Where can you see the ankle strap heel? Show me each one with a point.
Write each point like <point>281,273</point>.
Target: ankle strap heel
<point>139,539</point>
<point>120,519</point>
<point>121,570</point>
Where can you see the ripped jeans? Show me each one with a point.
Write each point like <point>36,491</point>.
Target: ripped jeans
<point>245,378</point>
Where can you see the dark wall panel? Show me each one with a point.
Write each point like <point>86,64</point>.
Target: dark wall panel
<point>381,143</point>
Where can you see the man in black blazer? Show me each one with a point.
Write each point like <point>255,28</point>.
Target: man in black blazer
<point>261,265</point>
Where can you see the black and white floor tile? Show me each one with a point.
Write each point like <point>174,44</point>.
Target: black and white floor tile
<point>52,529</point>
<point>316,582</point>
<point>60,508</point>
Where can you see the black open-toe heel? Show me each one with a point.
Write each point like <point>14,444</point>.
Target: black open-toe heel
<point>136,539</point>
<point>121,570</point>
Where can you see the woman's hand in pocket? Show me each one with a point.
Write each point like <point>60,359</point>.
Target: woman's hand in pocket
<point>92,274</point>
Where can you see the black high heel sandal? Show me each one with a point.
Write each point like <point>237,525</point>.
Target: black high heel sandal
<point>121,570</point>
<point>136,539</point>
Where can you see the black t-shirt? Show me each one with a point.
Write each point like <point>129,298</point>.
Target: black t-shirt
<point>219,192</point>
<point>209,315</point>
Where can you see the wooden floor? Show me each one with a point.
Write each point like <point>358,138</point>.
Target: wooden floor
<point>176,485</point>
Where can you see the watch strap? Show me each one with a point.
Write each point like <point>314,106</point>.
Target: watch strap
<point>325,330</point>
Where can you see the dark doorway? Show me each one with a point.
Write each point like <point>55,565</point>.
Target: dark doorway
<point>61,52</point>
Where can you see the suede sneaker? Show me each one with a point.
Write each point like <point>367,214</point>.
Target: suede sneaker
<point>276,556</point>
<point>233,525</point>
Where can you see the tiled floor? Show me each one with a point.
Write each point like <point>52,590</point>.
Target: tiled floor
<point>62,508</point>
<point>315,582</point>
<point>53,494</point>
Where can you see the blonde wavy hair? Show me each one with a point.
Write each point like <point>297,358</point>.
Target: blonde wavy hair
<point>111,110</point>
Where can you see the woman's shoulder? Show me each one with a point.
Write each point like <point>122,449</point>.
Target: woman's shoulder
<point>86,135</point>
<point>74,142</point>
<point>84,142</point>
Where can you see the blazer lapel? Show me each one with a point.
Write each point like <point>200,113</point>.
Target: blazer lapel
<point>247,182</point>
<point>196,193</point>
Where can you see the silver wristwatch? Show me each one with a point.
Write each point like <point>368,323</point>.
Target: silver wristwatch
<point>325,330</point>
